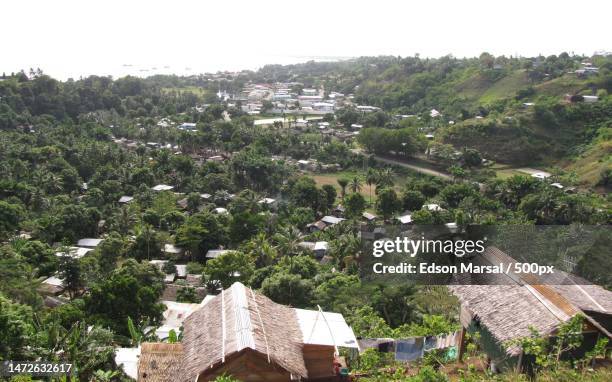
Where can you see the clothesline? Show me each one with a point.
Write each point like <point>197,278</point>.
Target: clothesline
<point>412,348</point>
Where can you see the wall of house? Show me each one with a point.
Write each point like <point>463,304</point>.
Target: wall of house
<point>319,361</point>
<point>248,366</point>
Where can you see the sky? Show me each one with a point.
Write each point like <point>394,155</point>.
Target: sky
<point>72,38</point>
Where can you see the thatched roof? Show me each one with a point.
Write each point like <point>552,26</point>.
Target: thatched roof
<point>239,319</point>
<point>514,304</point>
<point>160,362</point>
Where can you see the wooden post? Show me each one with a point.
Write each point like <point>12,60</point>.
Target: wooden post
<point>461,344</point>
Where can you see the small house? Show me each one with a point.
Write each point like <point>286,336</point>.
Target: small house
<point>214,253</point>
<point>338,211</point>
<point>89,243</point>
<point>125,199</point>
<point>368,216</point>
<point>162,187</point>
<point>511,304</point>
<point>245,335</point>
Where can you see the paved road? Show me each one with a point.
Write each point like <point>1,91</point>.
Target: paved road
<point>417,168</point>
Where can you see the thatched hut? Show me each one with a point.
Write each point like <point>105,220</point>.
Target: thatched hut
<point>246,335</point>
<point>509,305</point>
<point>158,362</point>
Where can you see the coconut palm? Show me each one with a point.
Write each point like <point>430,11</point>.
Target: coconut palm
<point>343,183</point>
<point>371,179</point>
<point>288,240</point>
<point>355,184</point>
<point>385,178</point>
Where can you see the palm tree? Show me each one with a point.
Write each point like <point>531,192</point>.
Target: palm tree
<point>288,240</point>
<point>385,178</point>
<point>355,184</point>
<point>371,179</point>
<point>124,219</point>
<point>343,183</point>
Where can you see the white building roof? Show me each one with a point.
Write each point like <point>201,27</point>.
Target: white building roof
<point>325,328</point>
<point>368,216</point>
<point>540,175</point>
<point>557,185</point>
<point>125,199</point>
<point>171,248</point>
<point>128,358</point>
<point>321,246</point>
<point>405,219</point>
<point>174,315</point>
<point>220,210</point>
<point>162,187</point>
<point>267,201</point>
<point>88,242</point>
<point>181,270</point>
<point>331,219</point>
<point>432,207</point>
<point>74,252</point>
<point>434,113</point>
<point>55,281</point>
<point>214,253</point>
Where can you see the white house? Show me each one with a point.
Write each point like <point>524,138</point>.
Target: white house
<point>162,187</point>
<point>187,126</point>
<point>89,243</point>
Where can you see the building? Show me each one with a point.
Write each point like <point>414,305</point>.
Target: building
<point>244,334</point>
<point>214,253</point>
<point>125,199</point>
<point>162,187</point>
<point>187,126</point>
<point>511,304</point>
<point>89,243</point>
<point>74,252</point>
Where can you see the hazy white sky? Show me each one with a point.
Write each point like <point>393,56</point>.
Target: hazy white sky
<point>72,38</point>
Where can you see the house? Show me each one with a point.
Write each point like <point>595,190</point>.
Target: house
<point>434,113</point>
<point>162,187</point>
<point>125,199</point>
<point>89,243</point>
<point>590,98</point>
<point>432,207</point>
<point>320,249</point>
<point>269,202</point>
<point>405,219</point>
<point>540,175</point>
<point>510,304</point>
<point>557,185</point>
<point>51,286</point>
<point>173,317</point>
<point>221,211</point>
<point>74,252</point>
<point>214,253</point>
<point>338,211</point>
<point>187,126</point>
<point>159,362</point>
<point>316,226</point>
<point>368,216</point>
<point>355,126</point>
<point>244,334</point>
<point>331,220</point>
<point>172,250</point>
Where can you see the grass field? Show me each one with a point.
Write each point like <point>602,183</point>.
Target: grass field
<point>367,191</point>
<point>192,89</point>
<point>505,171</point>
